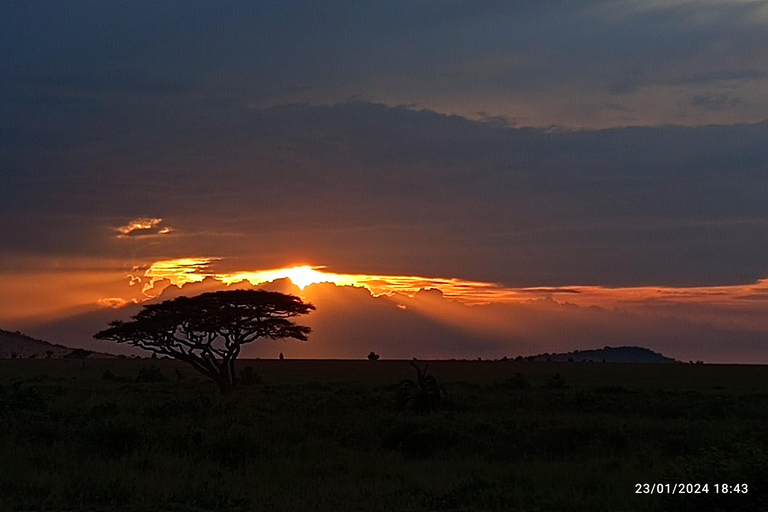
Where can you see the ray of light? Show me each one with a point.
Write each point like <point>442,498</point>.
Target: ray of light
<point>179,271</point>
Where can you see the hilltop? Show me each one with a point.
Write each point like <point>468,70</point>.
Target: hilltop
<point>18,345</point>
<point>607,355</point>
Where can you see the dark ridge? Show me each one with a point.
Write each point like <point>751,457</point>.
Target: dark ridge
<point>607,355</point>
<point>21,346</point>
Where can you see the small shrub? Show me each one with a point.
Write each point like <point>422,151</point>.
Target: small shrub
<point>233,448</point>
<point>619,390</point>
<point>111,439</point>
<point>373,356</point>
<point>109,376</point>
<point>150,374</point>
<point>248,376</point>
<point>518,381</point>
<point>419,441</point>
<point>467,494</point>
<point>185,441</point>
<point>18,398</point>
<point>103,410</point>
<point>556,381</point>
<point>422,395</point>
<point>41,432</point>
<point>185,407</point>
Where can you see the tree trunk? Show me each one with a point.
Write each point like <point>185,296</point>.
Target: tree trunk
<point>225,383</point>
<point>226,376</point>
<point>223,386</point>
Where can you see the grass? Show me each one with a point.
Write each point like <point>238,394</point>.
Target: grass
<point>328,435</point>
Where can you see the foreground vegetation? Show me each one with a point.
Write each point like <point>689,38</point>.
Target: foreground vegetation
<point>329,435</point>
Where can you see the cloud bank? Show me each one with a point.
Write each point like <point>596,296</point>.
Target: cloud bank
<point>560,63</point>
<point>372,189</point>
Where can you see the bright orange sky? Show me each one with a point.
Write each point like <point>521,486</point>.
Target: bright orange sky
<point>462,306</point>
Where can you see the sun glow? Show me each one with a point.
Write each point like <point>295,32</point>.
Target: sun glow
<point>301,276</point>
<point>194,270</point>
<point>179,272</point>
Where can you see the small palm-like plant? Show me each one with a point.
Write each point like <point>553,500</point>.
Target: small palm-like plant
<point>422,395</point>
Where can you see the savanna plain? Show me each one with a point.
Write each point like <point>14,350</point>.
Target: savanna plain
<point>130,434</point>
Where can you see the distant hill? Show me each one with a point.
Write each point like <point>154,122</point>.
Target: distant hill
<point>607,355</point>
<point>18,345</point>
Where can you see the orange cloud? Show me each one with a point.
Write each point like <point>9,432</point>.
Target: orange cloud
<point>185,270</point>
<point>143,227</point>
<point>115,302</point>
<point>416,315</point>
<point>178,272</point>
<point>744,306</point>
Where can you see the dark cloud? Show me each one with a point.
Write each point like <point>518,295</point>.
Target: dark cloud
<point>716,101</point>
<point>506,59</point>
<point>369,188</point>
<point>743,75</point>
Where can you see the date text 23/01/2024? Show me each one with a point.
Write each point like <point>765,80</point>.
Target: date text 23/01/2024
<point>679,488</point>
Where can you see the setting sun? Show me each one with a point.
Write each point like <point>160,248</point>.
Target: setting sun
<point>304,276</point>
<point>301,276</point>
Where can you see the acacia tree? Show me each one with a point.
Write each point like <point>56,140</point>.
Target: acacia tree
<point>207,331</point>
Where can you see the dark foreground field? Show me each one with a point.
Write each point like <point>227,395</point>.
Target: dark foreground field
<point>327,435</point>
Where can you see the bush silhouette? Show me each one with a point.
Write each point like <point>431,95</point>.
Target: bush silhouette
<point>556,381</point>
<point>111,439</point>
<point>373,356</point>
<point>419,441</point>
<point>518,381</point>
<point>80,354</point>
<point>422,395</point>
<point>17,398</point>
<point>249,376</point>
<point>150,374</point>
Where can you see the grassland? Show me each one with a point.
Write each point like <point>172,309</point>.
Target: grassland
<point>327,435</point>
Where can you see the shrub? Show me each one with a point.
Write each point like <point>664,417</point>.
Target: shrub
<point>112,439</point>
<point>418,441</point>
<point>108,375</point>
<point>234,448</point>
<point>249,376</point>
<point>17,398</point>
<point>150,374</point>
<point>422,395</point>
<point>104,410</point>
<point>556,381</point>
<point>518,381</point>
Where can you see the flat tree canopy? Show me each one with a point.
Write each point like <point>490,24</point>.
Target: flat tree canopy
<point>208,330</point>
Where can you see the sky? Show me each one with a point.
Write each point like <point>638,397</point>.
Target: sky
<point>492,178</point>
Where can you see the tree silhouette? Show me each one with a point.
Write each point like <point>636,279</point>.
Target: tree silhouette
<point>373,356</point>
<point>207,331</point>
<point>80,354</point>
